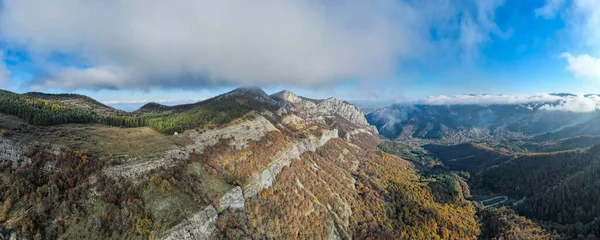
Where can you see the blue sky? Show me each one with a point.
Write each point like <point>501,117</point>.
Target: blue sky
<point>138,51</point>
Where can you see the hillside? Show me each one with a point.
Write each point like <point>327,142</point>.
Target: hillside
<point>77,100</point>
<point>558,189</point>
<point>590,127</point>
<point>71,108</point>
<point>252,166</point>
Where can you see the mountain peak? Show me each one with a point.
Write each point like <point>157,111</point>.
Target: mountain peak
<point>249,90</point>
<point>252,92</point>
<point>286,96</point>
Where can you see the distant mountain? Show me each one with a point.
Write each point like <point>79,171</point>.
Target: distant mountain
<point>590,127</point>
<point>151,107</point>
<point>436,121</point>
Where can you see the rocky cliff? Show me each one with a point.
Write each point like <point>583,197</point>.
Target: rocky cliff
<point>322,108</point>
<point>291,168</point>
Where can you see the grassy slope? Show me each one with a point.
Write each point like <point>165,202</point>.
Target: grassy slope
<point>63,109</point>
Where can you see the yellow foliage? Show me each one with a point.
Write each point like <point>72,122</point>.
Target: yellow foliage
<point>164,185</point>
<point>44,103</point>
<point>142,226</point>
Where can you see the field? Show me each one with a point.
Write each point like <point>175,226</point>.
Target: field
<point>140,142</point>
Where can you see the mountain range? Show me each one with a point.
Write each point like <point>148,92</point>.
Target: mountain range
<point>248,165</point>
<point>240,165</point>
<point>437,121</point>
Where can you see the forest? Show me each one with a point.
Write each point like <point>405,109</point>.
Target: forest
<point>47,112</point>
<point>559,190</point>
<point>42,112</point>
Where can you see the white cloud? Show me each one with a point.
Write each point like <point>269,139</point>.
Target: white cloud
<point>138,44</point>
<point>4,72</point>
<point>487,99</point>
<point>582,23</point>
<point>575,104</point>
<point>476,27</point>
<point>584,20</point>
<point>550,102</point>
<point>549,9</point>
<point>583,66</point>
<point>132,44</point>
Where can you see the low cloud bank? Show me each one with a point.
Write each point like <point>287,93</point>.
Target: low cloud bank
<point>550,102</point>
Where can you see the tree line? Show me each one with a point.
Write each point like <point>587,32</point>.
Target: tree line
<point>47,113</point>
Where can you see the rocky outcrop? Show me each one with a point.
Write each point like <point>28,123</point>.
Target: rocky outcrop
<point>344,109</point>
<point>9,152</point>
<point>202,224</point>
<point>238,134</point>
<point>285,157</point>
<point>352,134</point>
<point>310,108</point>
<point>199,227</point>
<point>233,199</point>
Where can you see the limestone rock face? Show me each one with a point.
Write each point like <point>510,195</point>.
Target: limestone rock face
<point>233,199</point>
<point>239,134</point>
<point>320,109</point>
<point>200,227</point>
<point>344,109</point>
<point>267,176</point>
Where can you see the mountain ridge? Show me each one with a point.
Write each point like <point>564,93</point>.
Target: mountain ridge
<point>239,165</point>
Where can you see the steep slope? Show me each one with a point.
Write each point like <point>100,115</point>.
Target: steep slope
<point>326,107</point>
<point>274,171</point>
<point>558,189</point>
<point>345,117</point>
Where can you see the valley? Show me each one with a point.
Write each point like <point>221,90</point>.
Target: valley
<point>536,176</point>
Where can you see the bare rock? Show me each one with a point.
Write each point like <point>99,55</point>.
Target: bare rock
<point>233,199</point>
<point>199,227</point>
<point>267,177</point>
